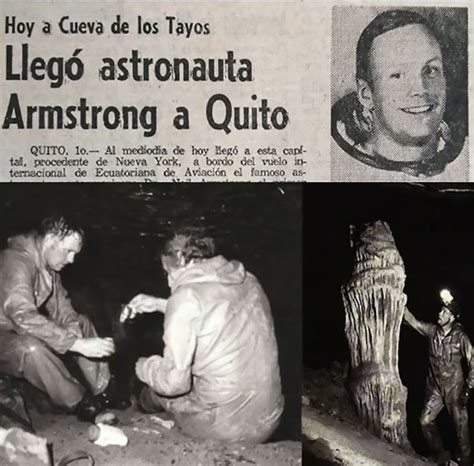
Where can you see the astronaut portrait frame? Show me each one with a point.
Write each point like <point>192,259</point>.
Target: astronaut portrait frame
<point>410,66</point>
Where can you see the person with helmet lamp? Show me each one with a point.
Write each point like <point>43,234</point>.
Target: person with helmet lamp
<point>447,385</point>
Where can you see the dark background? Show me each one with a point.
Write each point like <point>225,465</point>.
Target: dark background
<point>126,225</point>
<point>434,233</point>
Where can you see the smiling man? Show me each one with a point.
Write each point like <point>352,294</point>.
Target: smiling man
<point>38,324</point>
<point>447,385</point>
<point>395,119</point>
<point>403,93</point>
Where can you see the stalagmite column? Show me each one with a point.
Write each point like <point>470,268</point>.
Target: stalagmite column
<point>374,302</point>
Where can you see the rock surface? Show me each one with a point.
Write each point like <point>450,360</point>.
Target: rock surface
<point>336,442</point>
<point>20,448</point>
<point>332,431</point>
<point>374,303</point>
<point>151,444</point>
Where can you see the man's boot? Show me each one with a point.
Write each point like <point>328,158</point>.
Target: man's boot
<point>148,401</point>
<point>88,408</point>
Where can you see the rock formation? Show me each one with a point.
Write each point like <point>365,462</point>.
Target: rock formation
<point>374,303</point>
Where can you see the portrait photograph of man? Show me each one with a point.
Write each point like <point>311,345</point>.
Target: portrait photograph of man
<point>399,94</point>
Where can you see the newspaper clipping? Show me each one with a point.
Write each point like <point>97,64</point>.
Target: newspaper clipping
<point>235,91</point>
<point>150,92</point>
<point>146,317</point>
<point>153,162</point>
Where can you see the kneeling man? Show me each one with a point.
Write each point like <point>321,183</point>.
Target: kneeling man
<point>38,324</point>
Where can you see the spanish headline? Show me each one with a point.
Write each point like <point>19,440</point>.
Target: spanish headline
<point>221,113</point>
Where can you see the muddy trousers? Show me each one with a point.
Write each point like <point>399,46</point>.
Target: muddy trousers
<point>222,423</point>
<point>30,358</point>
<point>458,414</point>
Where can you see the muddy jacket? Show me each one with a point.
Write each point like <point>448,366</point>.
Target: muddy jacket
<point>446,353</point>
<point>26,285</point>
<point>220,353</point>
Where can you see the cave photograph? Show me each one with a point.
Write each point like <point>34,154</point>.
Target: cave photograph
<point>145,324</point>
<point>388,324</point>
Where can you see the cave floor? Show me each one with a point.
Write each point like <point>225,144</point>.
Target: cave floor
<point>151,444</point>
<point>332,432</point>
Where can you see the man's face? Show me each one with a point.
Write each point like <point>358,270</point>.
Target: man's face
<point>408,85</point>
<point>59,251</point>
<point>445,317</point>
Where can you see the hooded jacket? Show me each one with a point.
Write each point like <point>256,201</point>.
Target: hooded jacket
<point>220,358</point>
<point>26,284</point>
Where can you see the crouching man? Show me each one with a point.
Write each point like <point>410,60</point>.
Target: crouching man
<point>32,343</point>
<point>219,376</point>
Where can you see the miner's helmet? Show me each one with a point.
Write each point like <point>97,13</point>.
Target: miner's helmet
<point>450,302</point>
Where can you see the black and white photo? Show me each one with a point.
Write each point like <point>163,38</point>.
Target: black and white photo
<point>169,313</point>
<point>388,327</point>
<point>399,94</point>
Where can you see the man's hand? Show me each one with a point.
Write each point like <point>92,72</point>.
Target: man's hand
<point>94,347</point>
<point>421,327</point>
<point>142,304</point>
<point>464,397</point>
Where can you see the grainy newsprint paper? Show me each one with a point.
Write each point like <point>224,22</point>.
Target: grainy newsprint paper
<point>399,93</point>
<point>169,91</point>
<point>235,91</point>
